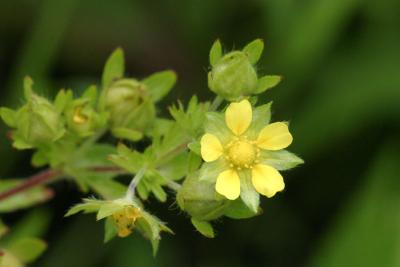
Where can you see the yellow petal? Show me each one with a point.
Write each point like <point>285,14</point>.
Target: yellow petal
<point>211,148</point>
<point>228,184</point>
<point>274,136</point>
<point>267,180</point>
<point>238,116</point>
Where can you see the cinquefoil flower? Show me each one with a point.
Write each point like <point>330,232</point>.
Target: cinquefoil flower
<point>243,149</point>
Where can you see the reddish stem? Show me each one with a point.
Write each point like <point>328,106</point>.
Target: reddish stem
<point>32,181</point>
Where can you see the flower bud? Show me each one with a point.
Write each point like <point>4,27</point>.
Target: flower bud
<point>82,119</point>
<point>129,105</point>
<point>199,199</point>
<point>38,122</point>
<point>233,76</point>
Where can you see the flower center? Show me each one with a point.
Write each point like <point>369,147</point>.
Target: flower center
<point>242,154</point>
<point>125,220</point>
<point>78,117</point>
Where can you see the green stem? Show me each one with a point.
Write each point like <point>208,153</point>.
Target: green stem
<point>130,192</point>
<point>216,103</point>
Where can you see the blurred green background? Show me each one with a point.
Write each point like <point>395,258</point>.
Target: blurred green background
<point>341,92</point>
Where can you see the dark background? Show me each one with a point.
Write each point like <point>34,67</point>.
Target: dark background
<point>341,93</point>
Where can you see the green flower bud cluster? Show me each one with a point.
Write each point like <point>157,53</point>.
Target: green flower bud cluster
<point>233,75</point>
<point>36,123</point>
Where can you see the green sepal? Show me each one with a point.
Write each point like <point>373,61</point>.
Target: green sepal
<point>195,147</point>
<point>280,160</point>
<point>28,91</point>
<point>159,84</point>
<point>209,171</point>
<point>261,118</point>
<point>27,249</point>
<point>254,50</point>
<point>110,230</point>
<point>205,228</point>
<point>126,133</point>
<point>114,68</point>
<point>215,124</point>
<point>248,194</point>
<point>238,210</point>
<point>267,82</point>
<point>8,116</point>
<point>63,98</point>
<point>88,206</point>
<point>215,52</point>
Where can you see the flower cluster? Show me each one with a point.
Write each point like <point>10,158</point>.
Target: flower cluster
<point>216,157</point>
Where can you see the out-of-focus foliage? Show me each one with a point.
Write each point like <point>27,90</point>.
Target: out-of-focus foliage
<point>339,60</point>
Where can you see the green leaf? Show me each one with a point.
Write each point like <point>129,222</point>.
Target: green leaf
<point>159,84</point>
<point>110,230</point>
<point>247,192</point>
<point>23,199</point>
<point>105,187</point>
<point>266,82</point>
<point>254,50</point>
<point>238,210</point>
<point>114,67</point>
<point>128,134</point>
<point>8,116</point>
<point>205,228</point>
<point>215,52</point>
<point>280,160</point>
<point>27,249</point>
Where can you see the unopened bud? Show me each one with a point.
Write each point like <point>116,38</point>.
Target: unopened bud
<point>199,199</point>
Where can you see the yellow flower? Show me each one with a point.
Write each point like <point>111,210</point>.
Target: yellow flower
<point>242,152</point>
<point>125,220</point>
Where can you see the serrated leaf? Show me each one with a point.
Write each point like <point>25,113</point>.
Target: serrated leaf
<point>215,52</point>
<point>114,67</point>
<point>266,82</point>
<point>238,210</point>
<point>205,228</point>
<point>248,194</point>
<point>254,50</point>
<point>23,199</point>
<point>128,134</point>
<point>8,116</point>
<point>280,160</point>
<point>159,84</point>
<point>27,249</point>
<point>110,230</point>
